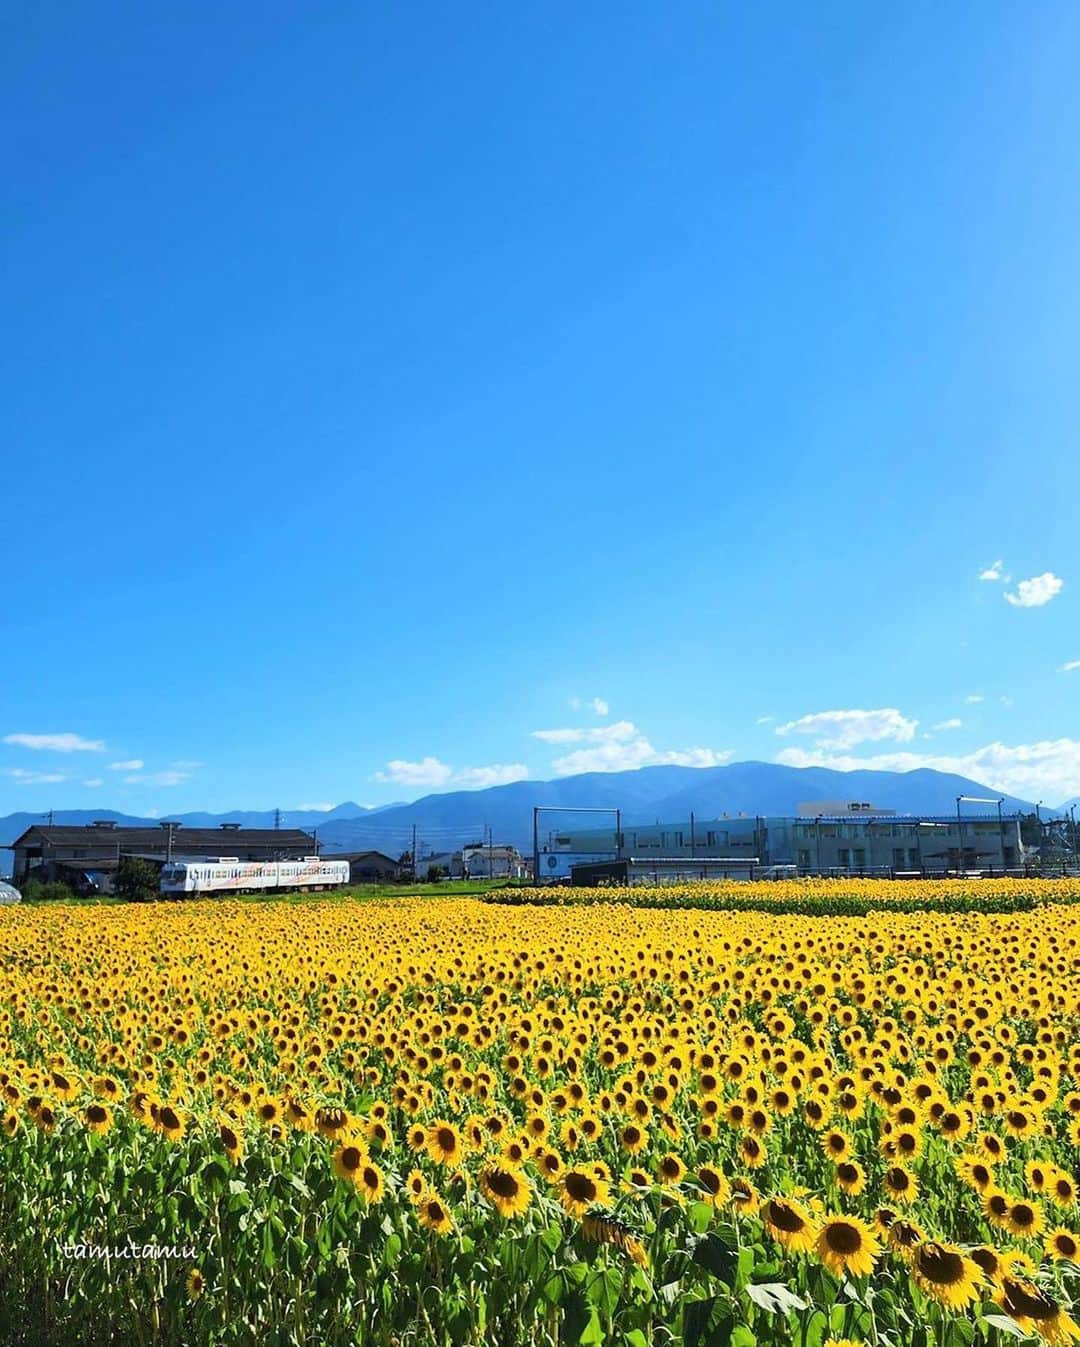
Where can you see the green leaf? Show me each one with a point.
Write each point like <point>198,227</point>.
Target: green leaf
<point>742,1336</point>
<point>635,1338</point>
<point>713,1254</point>
<point>774,1297</point>
<point>592,1335</point>
<point>696,1317</point>
<point>1004,1323</point>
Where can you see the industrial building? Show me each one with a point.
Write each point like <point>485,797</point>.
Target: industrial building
<point>86,857</point>
<point>853,842</point>
<point>370,867</point>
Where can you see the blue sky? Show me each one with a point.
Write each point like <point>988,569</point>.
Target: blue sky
<point>384,385</point>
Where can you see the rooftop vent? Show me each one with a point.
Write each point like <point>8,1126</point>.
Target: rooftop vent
<point>103,823</point>
<point>169,823</point>
<point>230,827</point>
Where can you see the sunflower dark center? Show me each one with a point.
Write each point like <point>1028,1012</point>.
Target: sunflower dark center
<point>503,1184</point>
<point>580,1187</point>
<point>785,1218</point>
<point>843,1238</point>
<point>941,1266</point>
<point>1026,1301</point>
<point>446,1139</point>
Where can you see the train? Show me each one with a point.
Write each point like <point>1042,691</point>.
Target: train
<point>229,874</point>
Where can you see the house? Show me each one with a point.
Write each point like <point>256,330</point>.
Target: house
<point>481,861</point>
<point>85,857</point>
<point>370,867</point>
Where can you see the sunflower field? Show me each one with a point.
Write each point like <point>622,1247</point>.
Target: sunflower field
<point>442,1122</point>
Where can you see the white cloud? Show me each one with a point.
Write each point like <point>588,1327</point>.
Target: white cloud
<point>1039,590</point>
<point>497,774</point>
<point>129,765</point>
<point>599,706</point>
<point>430,771</point>
<point>974,698</point>
<point>953,723</point>
<point>94,782</point>
<point>765,720</point>
<point>563,736</point>
<point>845,729</point>
<point>167,778</point>
<point>620,747</point>
<point>322,807</point>
<point>619,730</point>
<point>1070,666</point>
<point>426,772</point>
<point>56,743</point>
<point>28,778</point>
<point>1048,769</point>
<point>993,572</point>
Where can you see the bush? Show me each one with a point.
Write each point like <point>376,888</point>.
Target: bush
<point>137,881</point>
<point>47,891</point>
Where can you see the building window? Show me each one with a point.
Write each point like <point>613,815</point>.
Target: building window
<point>804,860</point>
<point>710,839</point>
<point>844,855</point>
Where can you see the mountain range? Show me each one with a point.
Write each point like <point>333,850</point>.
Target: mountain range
<point>645,795</point>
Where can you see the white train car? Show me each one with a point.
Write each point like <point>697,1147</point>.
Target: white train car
<point>229,874</point>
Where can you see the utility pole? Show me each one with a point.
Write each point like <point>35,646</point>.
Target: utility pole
<point>693,839</point>
<point>536,845</point>
<point>959,837</point>
<point>414,852</point>
<point>491,854</point>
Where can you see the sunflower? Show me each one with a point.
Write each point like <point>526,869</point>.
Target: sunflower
<point>444,1144</point>
<point>332,1122</point>
<point>851,1177</point>
<point>506,1188</point>
<point>1062,1245</point>
<point>633,1139</point>
<point>170,1122</point>
<point>670,1170</point>
<point>904,1237</point>
<point>98,1118</point>
<point>194,1284</point>
<point>753,1152</point>
<point>604,1228</point>
<point>976,1172</point>
<point>744,1197</point>
<point>846,1245</point>
<point>996,1205</point>
<point>789,1223</point>
<point>415,1185</point>
<point>942,1272</point>
<point>1061,1189</point>
<point>836,1144</point>
<point>713,1184</point>
<point>580,1189</point>
<point>1036,1311</point>
<point>988,1261</point>
<point>348,1162</point>
<point>433,1215</point>
<point>1024,1219</point>
<point>900,1183</point>
<point>371,1183</point>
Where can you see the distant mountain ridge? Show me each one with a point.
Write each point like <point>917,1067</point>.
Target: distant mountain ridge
<point>644,795</point>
